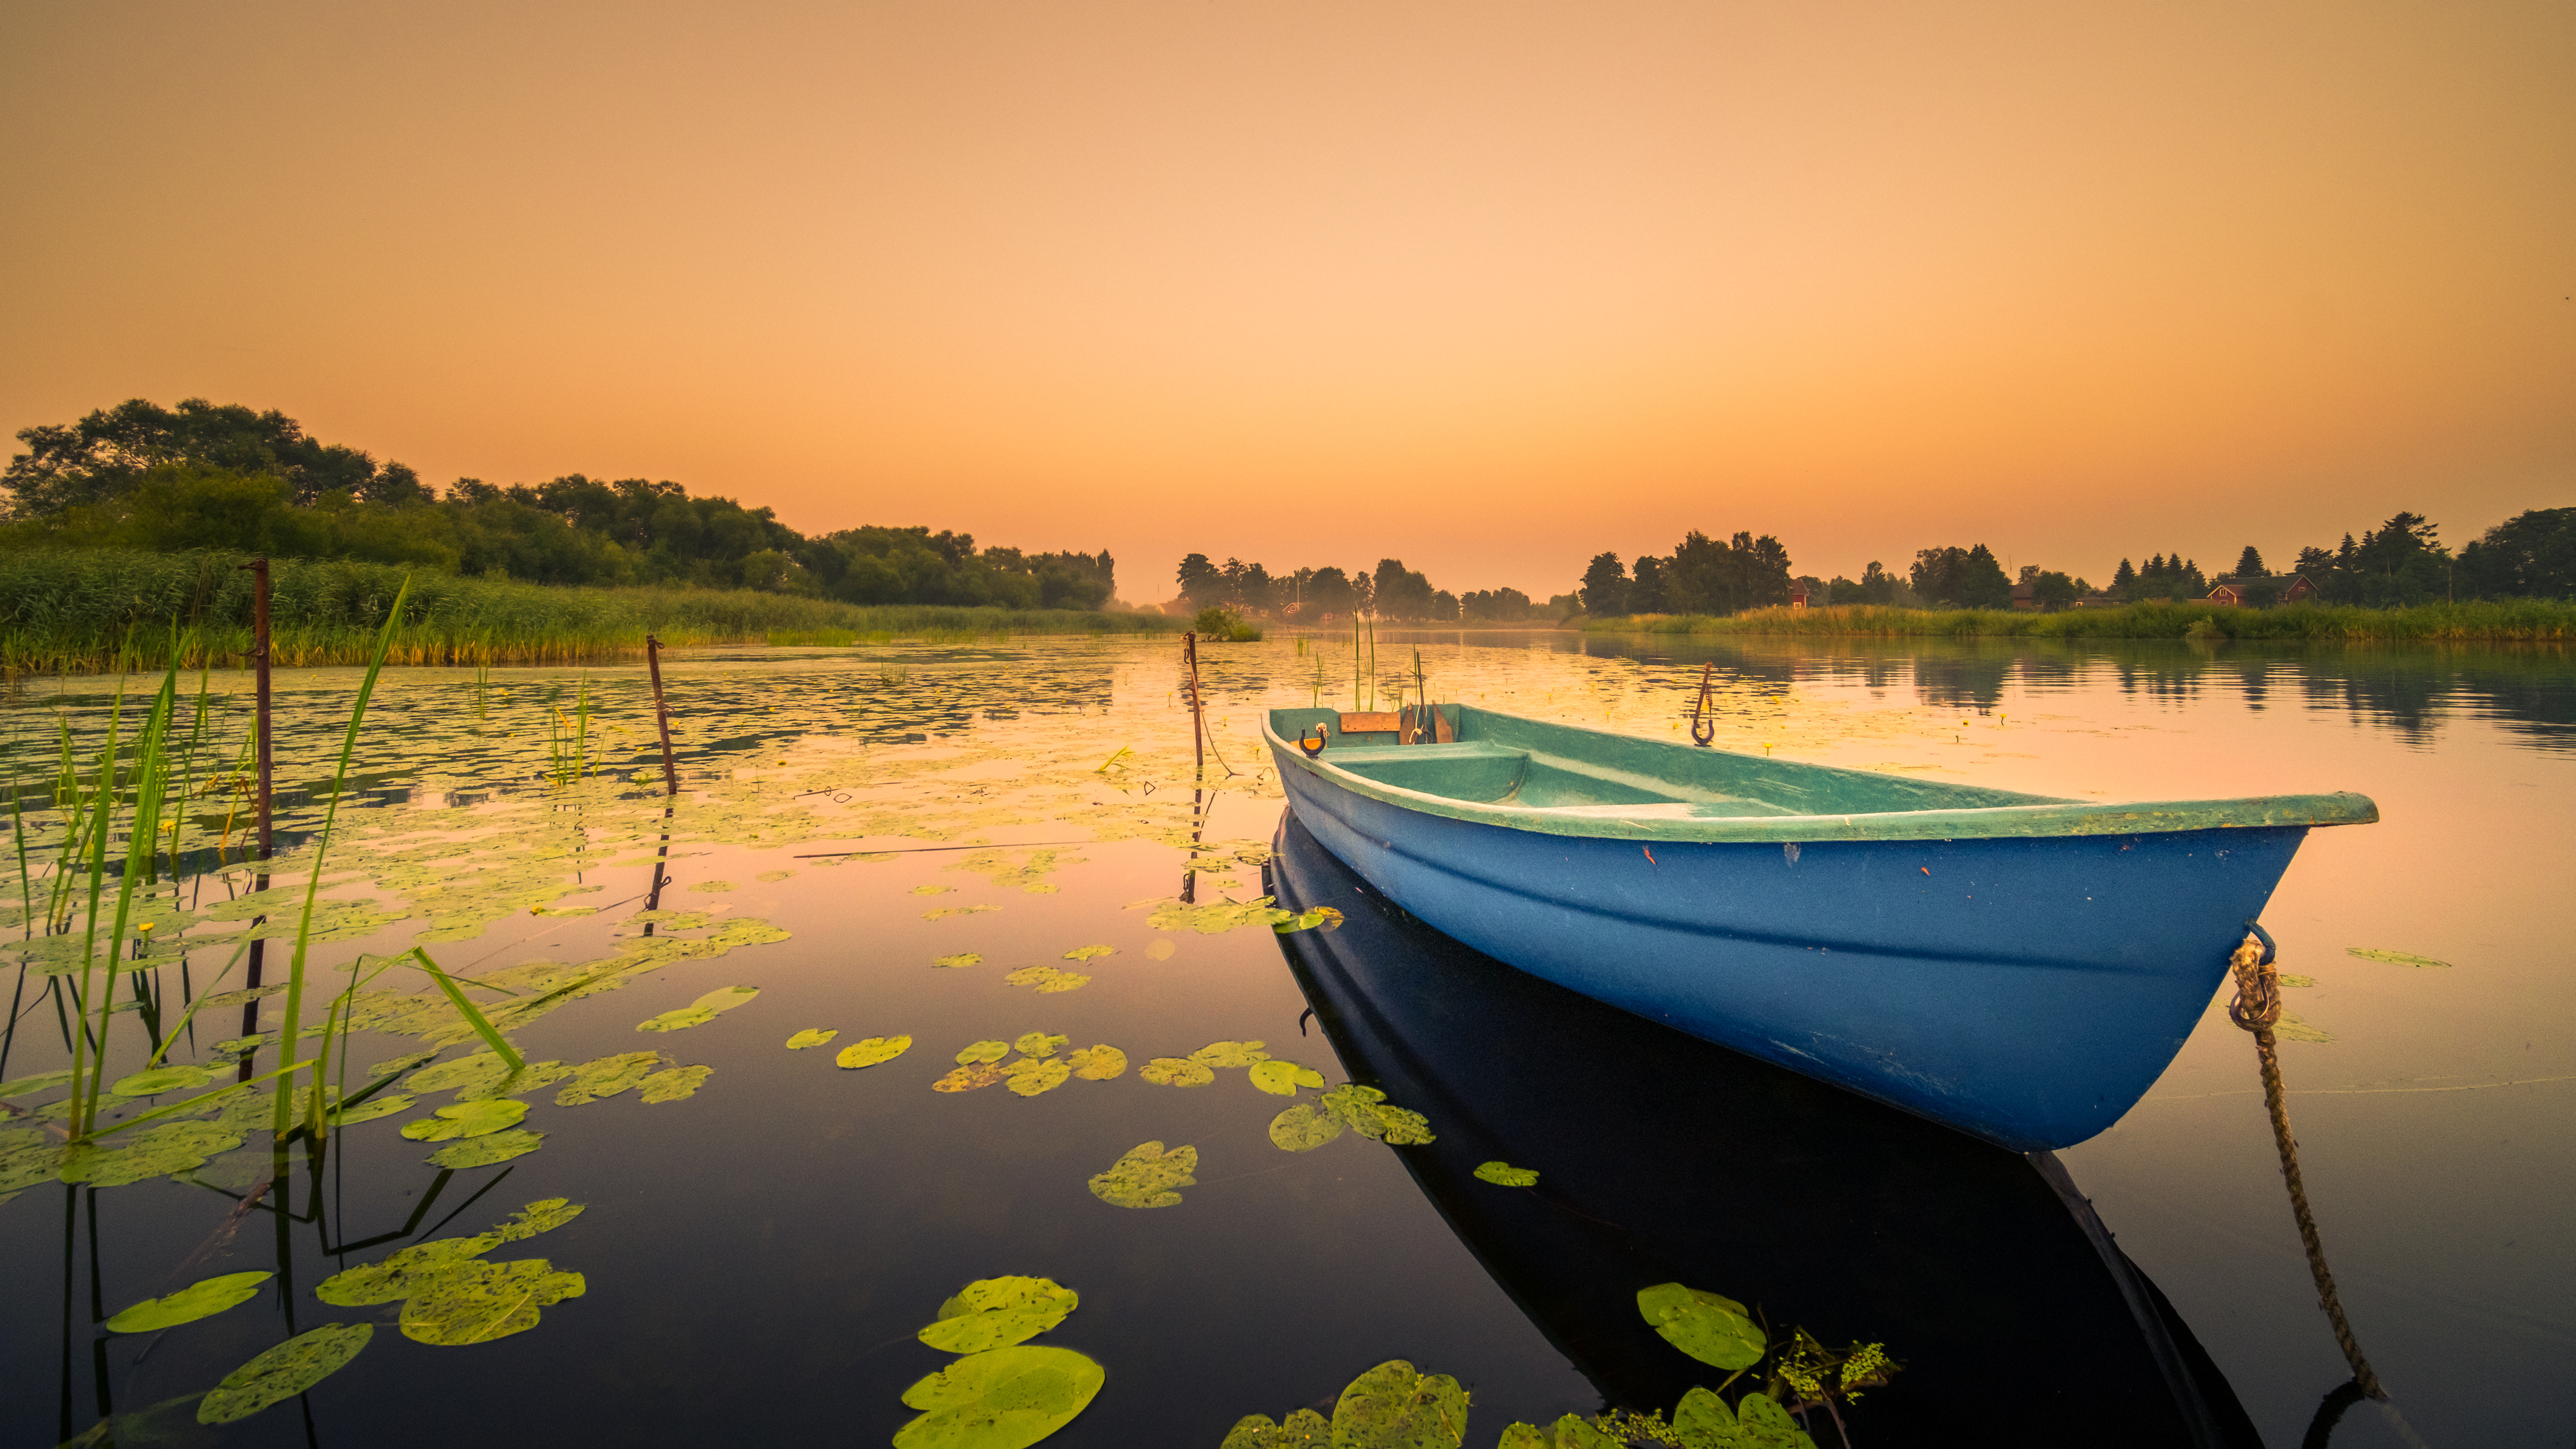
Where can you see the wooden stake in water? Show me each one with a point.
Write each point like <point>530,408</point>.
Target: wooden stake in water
<point>661,716</point>
<point>263,766</point>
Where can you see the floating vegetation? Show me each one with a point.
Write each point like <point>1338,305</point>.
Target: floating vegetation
<point>1178,1072</point>
<point>2396,958</point>
<point>1570,1432</point>
<point>606,1077</point>
<point>673,1084</point>
<point>1757,1422</point>
<point>982,1051</point>
<point>151,1152</point>
<point>1218,918</point>
<point>1048,980</point>
<point>431,1267</point>
<point>161,1079</point>
<point>1231,1054</point>
<point>998,1312</point>
<point>869,1051</point>
<point>2291,1028</point>
<point>1033,1075</point>
<point>932,890</point>
<point>1147,1177</point>
<point>968,1078</point>
<point>484,1151</point>
<point>1364,1110</point>
<point>1321,917</point>
<point>714,887</point>
<point>1394,1407</point>
<point>1282,1078</point>
<point>475,1301</point>
<point>1004,1398</point>
<point>291,1368</point>
<point>1709,1327</point>
<point>1097,1063</point>
<point>1305,1429</point>
<point>1503,1174</point>
<point>702,1010</point>
<point>1086,953</point>
<point>1038,1044</point>
<point>203,1299</point>
<point>467,1119</point>
<point>942,913</point>
<point>1303,1128</point>
<point>814,1037</point>
<point>962,958</point>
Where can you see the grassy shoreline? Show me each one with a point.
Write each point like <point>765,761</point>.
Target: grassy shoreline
<point>77,612</point>
<point>2509,621</point>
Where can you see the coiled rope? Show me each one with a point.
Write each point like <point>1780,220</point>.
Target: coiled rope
<point>2256,1007</point>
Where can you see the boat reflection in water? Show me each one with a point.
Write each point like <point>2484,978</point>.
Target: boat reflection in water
<point>1665,1158</point>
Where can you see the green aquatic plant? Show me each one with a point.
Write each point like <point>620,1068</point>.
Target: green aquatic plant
<point>811,1037</point>
<point>1003,1398</point>
<point>476,1301</point>
<point>969,1077</point>
<point>202,1299</point>
<point>673,1084</point>
<point>1572,1431</point>
<point>1030,1076</point>
<point>1365,1111</point>
<point>1503,1174</point>
<point>702,1010</point>
<point>998,1312</point>
<point>1757,1421</point>
<point>2396,958</point>
<point>1177,1072</point>
<point>1282,1078</point>
<point>1393,1406</point>
<point>963,958</point>
<point>1087,953</point>
<point>1038,1044</point>
<point>1147,1176</point>
<point>1097,1063</point>
<point>487,1150</point>
<point>869,1051</point>
<point>467,1119</point>
<point>1303,1128</point>
<point>1230,1054</point>
<point>982,1051</point>
<point>605,1077</point>
<point>1048,980</point>
<point>1708,1326</point>
<point>289,1369</point>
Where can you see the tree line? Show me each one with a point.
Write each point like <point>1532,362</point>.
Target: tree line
<point>1390,591</point>
<point>227,477</point>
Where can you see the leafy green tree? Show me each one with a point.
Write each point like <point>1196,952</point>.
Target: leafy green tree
<point>1604,590</point>
<point>1647,593</point>
<point>2530,555</point>
<point>1202,583</point>
<point>1399,592</point>
<point>104,455</point>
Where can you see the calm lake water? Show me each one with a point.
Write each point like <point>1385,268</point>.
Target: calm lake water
<point>757,1253</point>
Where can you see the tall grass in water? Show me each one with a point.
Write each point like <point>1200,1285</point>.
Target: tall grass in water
<point>71,611</point>
<point>2505,620</point>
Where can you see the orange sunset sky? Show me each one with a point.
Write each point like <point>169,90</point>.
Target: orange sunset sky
<point>1487,286</point>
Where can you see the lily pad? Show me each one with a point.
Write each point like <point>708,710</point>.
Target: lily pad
<point>1006,1398</point>
<point>1283,1078</point>
<point>607,1077</point>
<point>1364,1110</point>
<point>1320,918</point>
<point>810,1037</point>
<point>998,1312</point>
<point>1210,920</point>
<point>702,1010</point>
<point>1573,1431</point>
<point>283,1372</point>
<point>1177,1072</point>
<point>161,1079</point>
<point>466,1119</point>
<point>1147,1176</point>
<point>1032,1075</point>
<point>484,1151</point>
<point>29,1086</point>
<point>673,1084</point>
<point>1305,1429</point>
<point>962,958</point>
<point>542,1216</point>
<point>982,1051</point>
<point>480,1301</point>
<point>1393,1407</point>
<point>2291,1028</point>
<point>1709,1327</point>
<point>1303,1128</point>
<point>2397,958</point>
<point>1086,953</point>
<point>967,1078</point>
<point>1038,1044</point>
<point>1097,1063</point>
<point>932,890</point>
<point>868,1051</point>
<point>369,1110</point>
<point>1756,1422</point>
<point>1230,1054</point>
<point>151,1152</point>
<point>1503,1174</point>
<point>198,1300</point>
<point>402,1274</point>
<point>1049,980</point>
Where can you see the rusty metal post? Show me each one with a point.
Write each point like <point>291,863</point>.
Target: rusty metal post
<point>661,717</point>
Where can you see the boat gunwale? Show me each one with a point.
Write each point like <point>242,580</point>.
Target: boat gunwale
<point>2046,818</point>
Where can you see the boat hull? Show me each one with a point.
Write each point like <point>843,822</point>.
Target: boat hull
<point>2025,990</point>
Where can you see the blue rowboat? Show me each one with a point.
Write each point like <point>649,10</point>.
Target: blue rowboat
<point>2015,966</point>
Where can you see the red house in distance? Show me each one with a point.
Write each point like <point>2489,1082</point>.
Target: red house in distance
<point>2285,589</point>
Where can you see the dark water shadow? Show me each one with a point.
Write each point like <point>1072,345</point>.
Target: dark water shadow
<point>1665,1158</point>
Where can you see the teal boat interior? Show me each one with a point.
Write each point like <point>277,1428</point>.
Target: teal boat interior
<point>1478,764</point>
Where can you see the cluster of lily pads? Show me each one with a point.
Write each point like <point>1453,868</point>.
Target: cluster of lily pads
<point>1036,1070</point>
<point>1002,1392</point>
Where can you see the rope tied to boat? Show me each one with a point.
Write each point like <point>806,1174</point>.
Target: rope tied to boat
<point>2257,1007</point>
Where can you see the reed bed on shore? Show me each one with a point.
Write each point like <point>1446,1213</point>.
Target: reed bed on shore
<point>2485,621</point>
<point>81,611</point>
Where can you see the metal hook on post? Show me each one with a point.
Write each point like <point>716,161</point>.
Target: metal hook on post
<point>1703,728</point>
